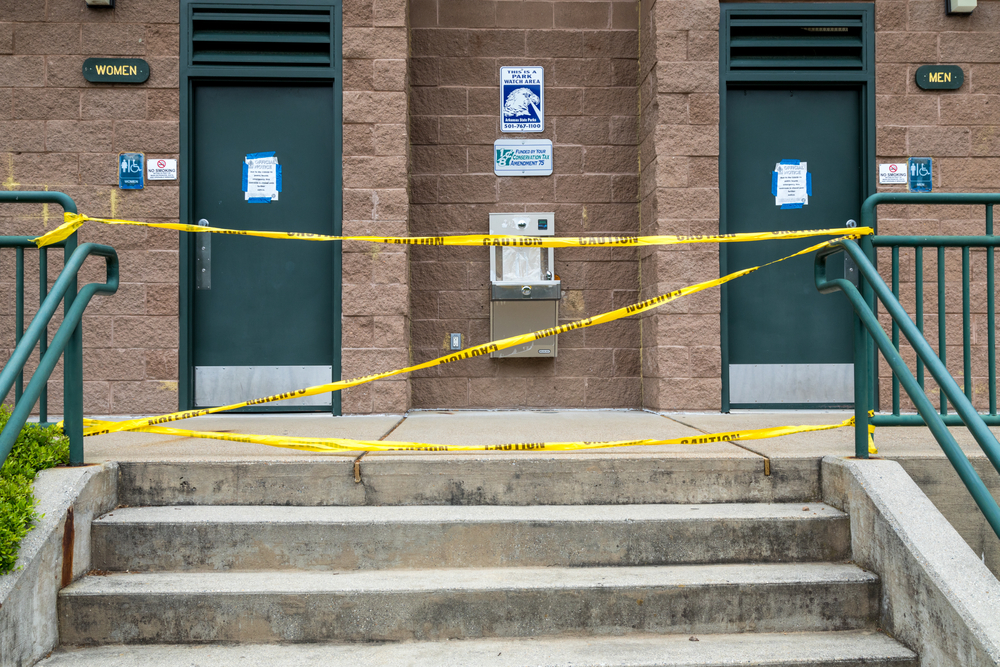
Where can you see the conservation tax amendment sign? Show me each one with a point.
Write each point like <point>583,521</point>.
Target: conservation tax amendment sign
<point>522,99</point>
<point>522,157</point>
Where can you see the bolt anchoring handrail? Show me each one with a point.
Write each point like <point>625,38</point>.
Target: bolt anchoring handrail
<point>865,319</point>
<point>68,340</point>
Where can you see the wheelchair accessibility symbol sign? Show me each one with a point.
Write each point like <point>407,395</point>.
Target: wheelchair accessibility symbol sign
<point>921,174</point>
<point>522,99</point>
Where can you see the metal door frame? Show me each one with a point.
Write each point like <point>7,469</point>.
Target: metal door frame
<point>190,75</point>
<point>863,79</point>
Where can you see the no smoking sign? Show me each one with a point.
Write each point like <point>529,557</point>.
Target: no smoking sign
<point>161,170</point>
<point>892,174</point>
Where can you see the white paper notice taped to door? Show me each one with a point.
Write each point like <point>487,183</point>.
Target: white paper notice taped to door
<point>261,178</point>
<point>791,184</point>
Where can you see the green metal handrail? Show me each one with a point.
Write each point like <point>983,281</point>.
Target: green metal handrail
<point>865,319</point>
<point>939,244</point>
<point>68,341</point>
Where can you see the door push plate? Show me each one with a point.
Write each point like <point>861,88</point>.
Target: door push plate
<point>203,258</point>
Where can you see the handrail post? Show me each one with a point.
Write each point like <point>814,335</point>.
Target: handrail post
<point>865,363</point>
<point>73,366</point>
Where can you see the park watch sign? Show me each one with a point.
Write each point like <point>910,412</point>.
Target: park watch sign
<point>115,70</point>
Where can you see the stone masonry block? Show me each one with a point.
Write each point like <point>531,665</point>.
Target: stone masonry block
<point>162,40</point>
<point>148,136</point>
<point>358,13</point>
<point>118,39</point>
<point>583,15</point>
<point>70,135</point>
<point>905,47</point>
<point>47,168</point>
<point>115,103</point>
<point>679,15</point>
<point>163,104</point>
<point>390,140</point>
<point>624,15</point>
<point>939,141</point>
<point>46,104</point>
<point>467,188</point>
<point>390,74</point>
<point>389,13</point>
<point>610,101</point>
<point>390,397</point>
<point>974,47</point>
<point>369,299</point>
<point>145,332</point>
<point>970,109</point>
<point>372,43</point>
<point>702,140</point>
<point>986,140</point>
<point>46,38</point>
<point>358,74</point>
<point>21,71</point>
<point>161,364</point>
<point>374,172</point>
<point>534,15</point>
<point>890,141</point>
<point>370,107</point>
<point>143,397</point>
<point>689,77</point>
<point>689,394</point>
<point>703,45</point>
<point>906,110</point>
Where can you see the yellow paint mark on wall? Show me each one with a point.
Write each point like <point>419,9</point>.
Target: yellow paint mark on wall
<point>10,183</point>
<point>114,203</point>
<point>168,385</point>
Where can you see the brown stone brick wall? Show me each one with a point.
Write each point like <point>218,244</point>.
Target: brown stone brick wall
<point>376,291</point>
<point>680,51</point>
<point>960,130</point>
<point>589,51</point>
<point>59,132</point>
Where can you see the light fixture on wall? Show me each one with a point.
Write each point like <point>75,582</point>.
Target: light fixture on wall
<point>959,6</point>
<point>100,3</point>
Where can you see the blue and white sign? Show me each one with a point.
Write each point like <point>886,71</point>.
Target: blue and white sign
<point>261,178</point>
<point>791,184</point>
<point>921,174</point>
<point>522,157</point>
<point>522,99</point>
<point>130,171</point>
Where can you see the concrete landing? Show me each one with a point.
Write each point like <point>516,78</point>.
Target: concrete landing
<point>475,427</point>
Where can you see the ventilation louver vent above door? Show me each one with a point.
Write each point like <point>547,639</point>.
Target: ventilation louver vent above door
<point>262,37</point>
<point>794,42</point>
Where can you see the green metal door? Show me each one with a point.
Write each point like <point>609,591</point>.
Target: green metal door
<point>788,346</point>
<point>263,311</point>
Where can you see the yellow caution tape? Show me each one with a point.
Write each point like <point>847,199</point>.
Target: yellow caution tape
<point>350,445</point>
<point>74,221</point>
<point>478,350</point>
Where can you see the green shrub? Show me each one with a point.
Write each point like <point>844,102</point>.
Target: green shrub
<point>36,449</point>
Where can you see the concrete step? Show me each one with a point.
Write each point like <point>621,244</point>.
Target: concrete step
<point>567,478</point>
<point>822,649</point>
<point>401,605</point>
<point>191,538</point>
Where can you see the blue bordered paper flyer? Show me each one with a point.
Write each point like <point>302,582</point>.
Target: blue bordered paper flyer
<point>261,178</point>
<point>791,184</point>
<point>522,99</point>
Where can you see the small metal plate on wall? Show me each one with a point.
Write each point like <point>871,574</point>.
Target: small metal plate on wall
<point>224,385</point>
